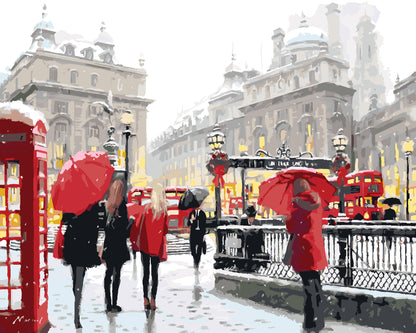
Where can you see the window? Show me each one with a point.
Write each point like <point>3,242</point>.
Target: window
<point>94,79</point>
<point>60,131</point>
<point>94,131</point>
<point>60,107</point>
<point>296,82</point>
<point>53,74</point>
<point>312,76</point>
<point>74,76</point>
<point>267,92</point>
<point>308,107</point>
<point>108,59</point>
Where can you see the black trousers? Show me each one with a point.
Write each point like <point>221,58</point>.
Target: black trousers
<point>196,249</point>
<point>113,270</point>
<point>314,318</point>
<point>78,273</point>
<point>148,260</point>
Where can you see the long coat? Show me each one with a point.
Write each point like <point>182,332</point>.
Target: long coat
<point>308,247</point>
<point>117,229</point>
<point>200,222</point>
<point>80,239</point>
<point>153,232</point>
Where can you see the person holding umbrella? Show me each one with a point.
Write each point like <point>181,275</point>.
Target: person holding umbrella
<point>194,198</point>
<point>300,194</point>
<point>81,184</point>
<point>115,252</point>
<point>390,213</point>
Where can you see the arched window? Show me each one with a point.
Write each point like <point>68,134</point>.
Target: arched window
<point>94,80</point>
<point>74,77</point>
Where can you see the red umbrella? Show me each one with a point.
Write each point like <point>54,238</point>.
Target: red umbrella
<point>82,182</point>
<point>276,192</point>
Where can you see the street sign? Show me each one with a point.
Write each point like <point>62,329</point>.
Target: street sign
<point>274,163</point>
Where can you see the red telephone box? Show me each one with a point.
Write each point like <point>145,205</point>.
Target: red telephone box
<point>23,221</point>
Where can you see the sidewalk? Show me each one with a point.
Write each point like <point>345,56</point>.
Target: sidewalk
<point>187,302</point>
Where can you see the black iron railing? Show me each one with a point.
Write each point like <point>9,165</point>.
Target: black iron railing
<point>373,255</point>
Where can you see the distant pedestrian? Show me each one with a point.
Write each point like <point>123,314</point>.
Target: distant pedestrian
<point>153,243</point>
<point>115,252</point>
<point>250,217</point>
<point>389,214</point>
<point>80,250</point>
<point>308,257</point>
<point>197,220</point>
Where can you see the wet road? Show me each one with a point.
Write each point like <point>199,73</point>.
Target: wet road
<point>187,302</point>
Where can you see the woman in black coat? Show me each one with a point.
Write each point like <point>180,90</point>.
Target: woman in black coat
<point>115,251</point>
<point>197,221</point>
<point>80,249</point>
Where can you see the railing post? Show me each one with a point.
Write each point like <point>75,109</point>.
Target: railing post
<point>345,256</point>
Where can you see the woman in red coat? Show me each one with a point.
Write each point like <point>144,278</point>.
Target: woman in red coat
<point>152,244</point>
<point>308,257</point>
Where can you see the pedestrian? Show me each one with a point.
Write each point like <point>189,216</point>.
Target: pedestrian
<point>153,243</point>
<point>80,250</point>
<point>197,220</point>
<point>250,218</point>
<point>115,251</point>
<point>389,214</point>
<point>308,257</point>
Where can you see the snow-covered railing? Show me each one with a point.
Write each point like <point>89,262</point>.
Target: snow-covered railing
<point>379,255</point>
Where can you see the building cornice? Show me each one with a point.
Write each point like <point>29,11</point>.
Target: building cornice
<point>305,91</point>
<point>27,90</point>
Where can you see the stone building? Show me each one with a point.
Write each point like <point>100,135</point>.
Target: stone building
<point>64,79</point>
<point>381,134</point>
<point>302,101</point>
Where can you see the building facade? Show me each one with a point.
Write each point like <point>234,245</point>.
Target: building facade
<point>65,80</point>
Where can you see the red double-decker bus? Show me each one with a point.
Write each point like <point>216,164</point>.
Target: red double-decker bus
<point>362,189</point>
<point>178,219</point>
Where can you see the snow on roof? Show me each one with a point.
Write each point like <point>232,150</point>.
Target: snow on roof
<point>18,111</point>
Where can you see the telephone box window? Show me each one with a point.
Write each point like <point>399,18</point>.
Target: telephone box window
<point>15,276</point>
<point>14,198</point>
<point>2,202</point>
<point>1,173</point>
<point>16,299</point>
<point>14,225</point>
<point>3,293</point>
<point>13,173</point>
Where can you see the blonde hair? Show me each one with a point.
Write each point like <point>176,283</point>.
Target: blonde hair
<point>115,195</point>
<point>158,200</point>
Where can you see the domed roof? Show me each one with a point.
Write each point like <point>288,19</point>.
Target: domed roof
<point>305,36</point>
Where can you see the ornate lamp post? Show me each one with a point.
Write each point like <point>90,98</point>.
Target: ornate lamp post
<point>340,165</point>
<point>407,148</point>
<point>217,165</point>
<point>127,118</point>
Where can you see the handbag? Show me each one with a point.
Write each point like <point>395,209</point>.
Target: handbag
<point>289,250</point>
<point>58,248</point>
<point>163,253</point>
<point>135,239</point>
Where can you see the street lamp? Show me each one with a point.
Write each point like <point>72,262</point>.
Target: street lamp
<point>127,118</point>
<point>407,148</point>
<point>340,164</point>
<point>216,141</point>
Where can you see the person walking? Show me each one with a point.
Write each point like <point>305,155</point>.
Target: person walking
<point>197,220</point>
<point>153,243</point>
<point>389,213</point>
<point>115,251</point>
<point>80,250</point>
<point>308,257</point>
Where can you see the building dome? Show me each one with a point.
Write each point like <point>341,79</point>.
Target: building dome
<point>306,37</point>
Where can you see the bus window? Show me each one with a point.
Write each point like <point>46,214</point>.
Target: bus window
<point>349,204</point>
<point>377,179</point>
<point>350,181</point>
<point>368,202</point>
<point>367,179</point>
<point>358,179</point>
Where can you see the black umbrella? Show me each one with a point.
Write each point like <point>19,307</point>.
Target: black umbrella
<point>193,197</point>
<point>392,201</point>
